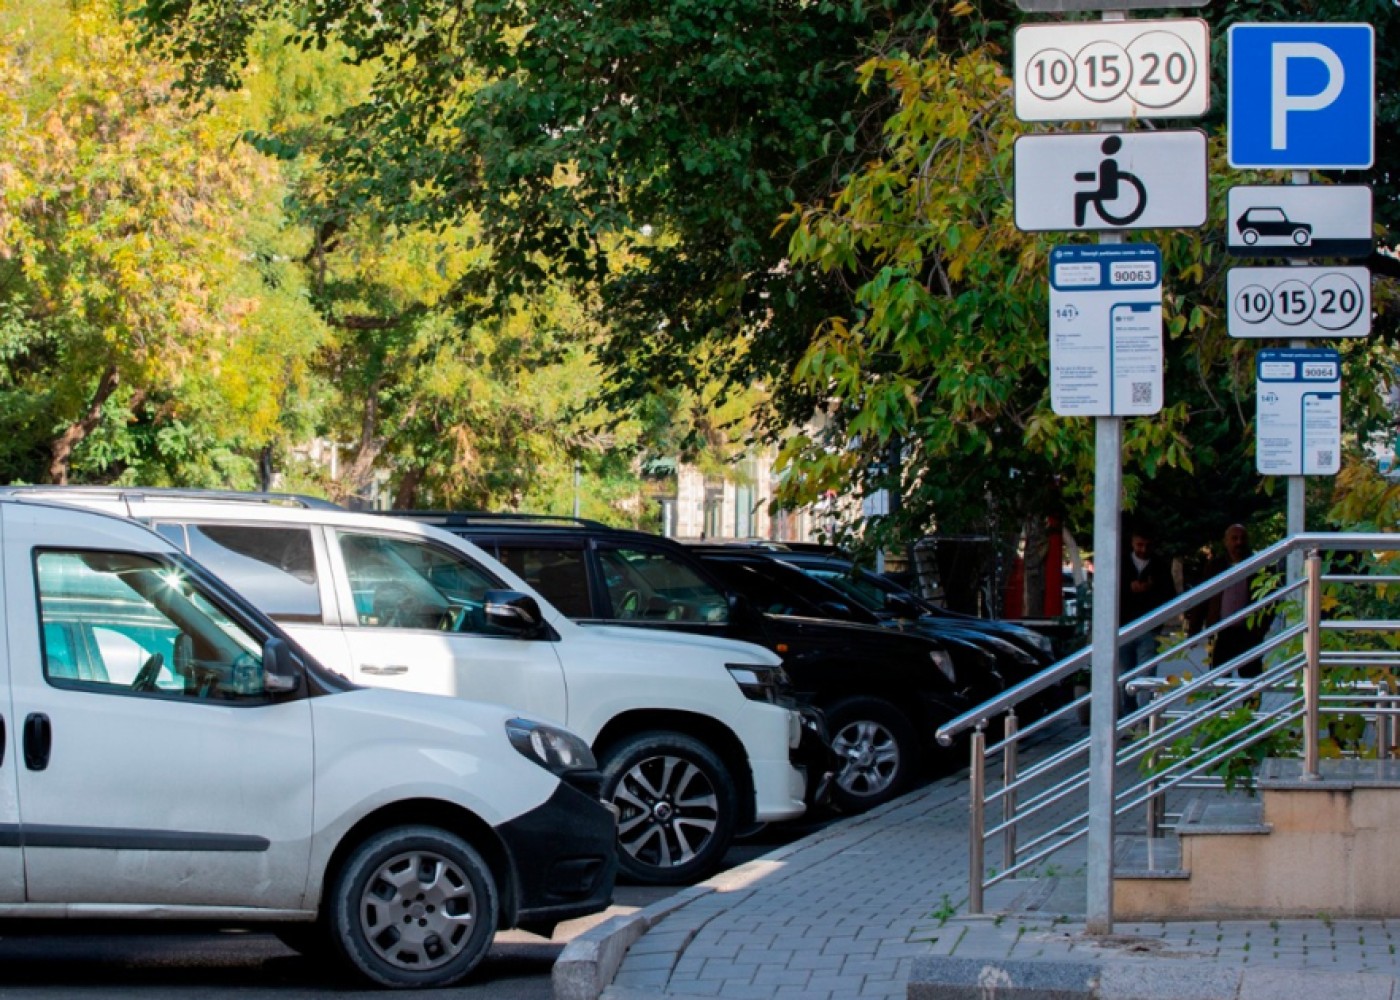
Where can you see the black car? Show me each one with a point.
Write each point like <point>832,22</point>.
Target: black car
<point>883,693</point>
<point>874,599</point>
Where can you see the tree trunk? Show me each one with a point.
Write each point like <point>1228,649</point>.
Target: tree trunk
<point>61,451</point>
<point>405,496</point>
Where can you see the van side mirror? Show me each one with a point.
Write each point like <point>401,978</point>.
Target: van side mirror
<point>280,674</point>
<point>514,612</point>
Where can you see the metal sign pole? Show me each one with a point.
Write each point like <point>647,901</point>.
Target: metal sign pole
<point>1103,700</point>
<point>1297,493</point>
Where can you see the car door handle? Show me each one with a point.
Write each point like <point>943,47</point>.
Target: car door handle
<point>38,741</point>
<point>393,668</point>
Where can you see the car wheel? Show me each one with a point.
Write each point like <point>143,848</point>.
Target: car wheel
<point>676,807</point>
<point>413,906</point>
<point>1250,237</point>
<point>1302,237</point>
<point>876,750</point>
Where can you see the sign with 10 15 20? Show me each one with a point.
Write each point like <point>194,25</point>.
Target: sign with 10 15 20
<point>1110,70</point>
<point>1299,302</point>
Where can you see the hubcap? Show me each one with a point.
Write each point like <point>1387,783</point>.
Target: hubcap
<point>869,758</point>
<point>668,811</point>
<point>418,910</point>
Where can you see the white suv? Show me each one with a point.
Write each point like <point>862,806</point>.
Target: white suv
<point>691,733</point>
<point>166,752</point>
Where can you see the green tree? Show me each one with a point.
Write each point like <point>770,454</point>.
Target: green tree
<point>809,197</point>
<point>134,340</point>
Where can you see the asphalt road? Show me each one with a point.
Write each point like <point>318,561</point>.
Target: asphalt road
<point>131,963</point>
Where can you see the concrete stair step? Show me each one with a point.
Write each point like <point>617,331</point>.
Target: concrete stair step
<point>1227,816</point>
<point>1147,857</point>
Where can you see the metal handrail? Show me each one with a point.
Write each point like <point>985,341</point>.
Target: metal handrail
<point>1063,669</point>
<point>1030,827</point>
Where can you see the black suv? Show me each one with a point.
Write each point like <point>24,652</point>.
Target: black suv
<point>883,692</point>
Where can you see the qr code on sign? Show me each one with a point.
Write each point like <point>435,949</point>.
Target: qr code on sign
<point>1324,459</point>
<point>1142,393</point>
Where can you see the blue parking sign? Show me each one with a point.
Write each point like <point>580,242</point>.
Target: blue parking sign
<point>1302,96</point>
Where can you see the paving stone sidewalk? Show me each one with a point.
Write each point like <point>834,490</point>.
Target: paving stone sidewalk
<point>847,913</point>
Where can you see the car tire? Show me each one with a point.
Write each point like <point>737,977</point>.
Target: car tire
<point>677,807</point>
<point>1250,237</point>
<point>1302,237</point>
<point>877,752</point>
<point>413,906</point>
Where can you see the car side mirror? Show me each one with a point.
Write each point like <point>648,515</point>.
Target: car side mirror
<point>280,674</point>
<point>514,612</point>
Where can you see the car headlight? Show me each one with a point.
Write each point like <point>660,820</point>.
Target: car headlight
<point>944,663</point>
<point>556,750</point>
<point>759,682</point>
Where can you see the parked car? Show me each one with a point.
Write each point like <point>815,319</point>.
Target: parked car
<point>172,754</point>
<point>693,741</point>
<point>883,693</point>
<point>872,598</point>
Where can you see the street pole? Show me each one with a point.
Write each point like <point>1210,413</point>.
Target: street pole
<point>1296,521</point>
<point>1103,665</point>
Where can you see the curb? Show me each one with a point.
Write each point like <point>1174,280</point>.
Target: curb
<point>589,963</point>
<point>951,978</point>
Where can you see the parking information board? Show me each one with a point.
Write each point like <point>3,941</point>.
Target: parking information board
<point>1115,69</point>
<point>1302,96</point>
<point>1093,181</point>
<point>1106,330</point>
<point>1299,302</point>
<point>1300,220</point>
<point>1299,415</point>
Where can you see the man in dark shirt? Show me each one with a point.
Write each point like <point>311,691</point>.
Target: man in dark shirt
<point>1145,584</point>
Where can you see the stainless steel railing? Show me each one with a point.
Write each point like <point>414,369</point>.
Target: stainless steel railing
<point>1331,652</point>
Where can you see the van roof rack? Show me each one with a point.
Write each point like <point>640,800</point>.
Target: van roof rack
<point>135,494</point>
<point>448,518</point>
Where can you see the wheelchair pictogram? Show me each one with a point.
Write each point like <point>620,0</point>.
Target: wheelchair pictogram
<point>1111,181</point>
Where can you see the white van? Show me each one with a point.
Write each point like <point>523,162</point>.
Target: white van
<point>692,733</point>
<point>166,752</point>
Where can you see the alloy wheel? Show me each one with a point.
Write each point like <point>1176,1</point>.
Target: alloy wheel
<point>669,811</point>
<point>418,910</point>
<point>869,757</point>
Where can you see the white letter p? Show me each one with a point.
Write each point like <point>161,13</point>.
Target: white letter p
<point>1283,102</point>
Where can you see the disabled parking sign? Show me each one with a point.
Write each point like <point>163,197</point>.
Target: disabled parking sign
<point>1088,181</point>
<point>1302,96</point>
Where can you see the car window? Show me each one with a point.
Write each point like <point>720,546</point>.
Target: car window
<point>760,588</point>
<point>650,585</point>
<point>559,573</point>
<point>861,591</point>
<point>272,566</point>
<point>407,584</point>
<point>125,623</point>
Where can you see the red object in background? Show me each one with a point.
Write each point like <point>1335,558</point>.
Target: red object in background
<point>1014,604</point>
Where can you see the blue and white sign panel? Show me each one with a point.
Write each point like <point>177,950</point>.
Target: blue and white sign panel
<point>1299,302</point>
<point>1299,416</point>
<point>1106,330</point>
<point>1302,96</point>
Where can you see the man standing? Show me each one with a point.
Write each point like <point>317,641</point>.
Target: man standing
<point>1235,639</point>
<point>1145,585</point>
